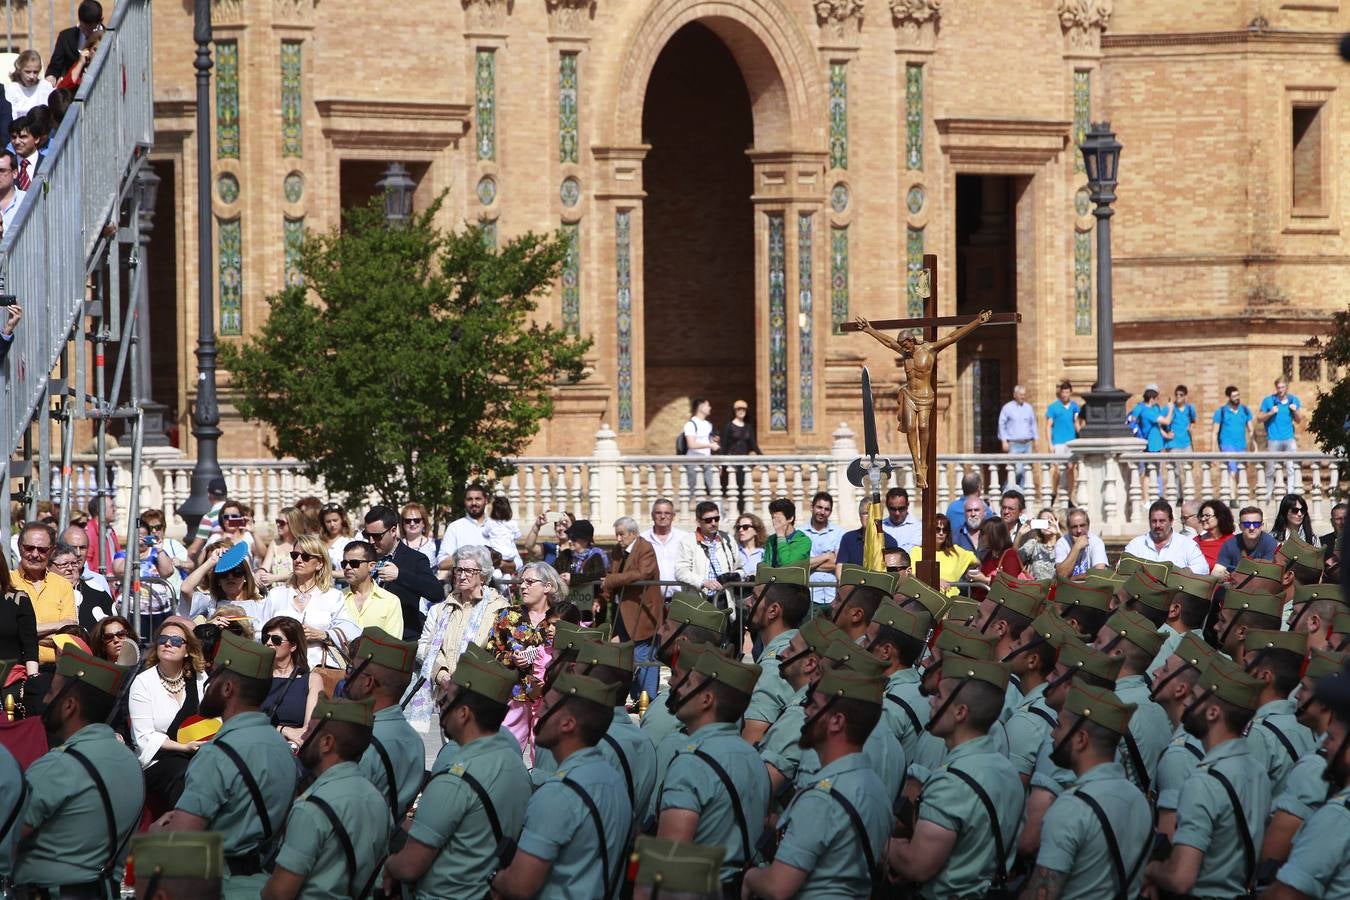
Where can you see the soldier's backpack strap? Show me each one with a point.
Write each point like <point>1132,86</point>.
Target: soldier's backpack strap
<point>348,851</point>
<point>909,711</point>
<point>115,845</point>
<point>251,785</point>
<point>627,769</point>
<point>599,832</point>
<point>736,810</point>
<point>1112,847</point>
<point>860,832</point>
<point>392,790</point>
<point>1240,818</point>
<point>488,809</point>
<point>1193,750</point>
<point>1283,738</point>
<point>1000,861</point>
<point>1049,719</point>
<point>1137,763</point>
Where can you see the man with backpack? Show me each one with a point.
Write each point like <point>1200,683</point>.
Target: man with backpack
<point>1233,425</point>
<point>697,439</point>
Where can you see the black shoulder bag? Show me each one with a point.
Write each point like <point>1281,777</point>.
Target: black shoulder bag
<point>599,833</point>
<point>860,832</point>
<point>348,851</point>
<point>1240,820</point>
<point>998,888</point>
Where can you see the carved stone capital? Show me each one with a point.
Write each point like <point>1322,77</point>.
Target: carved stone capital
<point>570,16</point>
<point>486,15</point>
<point>293,12</point>
<point>227,12</point>
<point>916,23</point>
<point>1083,22</point>
<point>839,18</point>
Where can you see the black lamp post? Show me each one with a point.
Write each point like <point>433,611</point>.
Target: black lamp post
<point>205,412</point>
<point>1105,402</point>
<point>397,188</point>
<point>147,190</point>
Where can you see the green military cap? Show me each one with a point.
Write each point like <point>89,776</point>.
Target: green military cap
<point>1071,593</point>
<point>1031,588</point>
<point>1137,630</point>
<point>986,670</point>
<point>616,656</point>
<point>1128,564</point>
<point>1185,581</point>
<point>1229,683</point>
<point>688,653</point>
<point>1079,657</point>
<point>963,640</point>
<point>484,676</point>
<point>353,712</point>
<point>1299,551</point>
<point>905,621</point>
<point>860,577</point>
<point>1193,650</point>
<point>1100,707</point>
<point>911,588</point>
<point>243,657</point>
<point>1259,568</point>
<point>962,611</point>
<point>819,633</point>
<point>106,676</point>
<point>583,687</point>
<point>1341,623</point>
<point>1103,578</point>
<point>177,854</point>
<point>1052,628</point>
<point>383,649</point>
<point>1307,593</point>
<point>766,574</point>
<point>1248,601</point>
<point>691,609</point>
<point>1141,587</point>
<point>677,867</point>
<point>567,636</point>
<point>1007,597</point>
<point>852,685</point>
<point>1258,639</point>
<point>1324,662</point>
<point>847,655</point>
<point>733,673</point>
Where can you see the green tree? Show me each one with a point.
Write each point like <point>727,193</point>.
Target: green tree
<point>1330,421</point>
<point>418,368</point>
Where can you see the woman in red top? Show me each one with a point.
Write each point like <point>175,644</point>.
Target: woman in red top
<point>1216,523</point>
<point>996,553</point>
<point>75,74</point>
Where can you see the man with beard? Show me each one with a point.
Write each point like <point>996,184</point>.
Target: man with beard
<point>394,761</point>
<point>715,791</point>
<point>1315,608</point>
<point>241,782</point>
<point>1276,739</point>
<point>454,837</point>
<point>338,831</point>
<point>970,808</point>
<point>86,793</point>
<point>1136,641</point>
<point>883,752</point>
<point>690,618</point>
<point>1172,690</point>
<point>1031,653</point>
<point>897,637</point>
<point>1319,862</point>
<point>1304,789</point>
<point>800,665</point>
<point>834,831</point>
<point>778,607</point>
<point>1221,814</point>
<point>577,822</point>
<point>952,640</point>
<point>1095,834</point>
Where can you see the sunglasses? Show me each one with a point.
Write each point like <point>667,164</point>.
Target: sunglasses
<point>32,548</point>
<point>236,572</point>
<point>274,640</point>
<point>744,526</point>
<point>375,535</point>
<point>282,522</point>
<point>413,520</point>
<point>297,555</point>
<point>332,507</point>
<point>353,563</point>
<point>110,636</point>
<point>711,519</point>
<point>170,640</point>
<point>1251,526</point>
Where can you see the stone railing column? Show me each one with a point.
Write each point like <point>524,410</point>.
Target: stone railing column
<point>605,480</point>
<point>1100,488</point>
<point>844,450</point>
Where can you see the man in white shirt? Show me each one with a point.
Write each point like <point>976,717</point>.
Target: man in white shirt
<point>10,196</point>
<point>665,539</point>
<point>707,553</point>
<point>468,530</point>
<point>825,537</point>
<point>1162,544</point>
<point>700,442</point>
<point>903,527</point>
<point>1079,550</point>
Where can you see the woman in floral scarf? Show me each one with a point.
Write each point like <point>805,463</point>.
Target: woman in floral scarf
<point>521,640</point>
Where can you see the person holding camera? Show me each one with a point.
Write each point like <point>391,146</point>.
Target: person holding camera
<point>707,559</point>
<point>12,314</point>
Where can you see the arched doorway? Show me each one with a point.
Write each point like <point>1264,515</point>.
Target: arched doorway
<point>699,234</point>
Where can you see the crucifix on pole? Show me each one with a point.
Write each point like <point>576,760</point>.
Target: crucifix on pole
<point>918,395</point>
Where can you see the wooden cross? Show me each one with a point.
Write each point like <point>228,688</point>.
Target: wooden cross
<point>926,288</point>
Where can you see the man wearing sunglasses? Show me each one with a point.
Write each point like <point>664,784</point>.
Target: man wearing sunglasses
<point>707,558</point>
<point>53,597</point>
<point>368,604</point>
<point>401,570</point>
<point>1251,542</point>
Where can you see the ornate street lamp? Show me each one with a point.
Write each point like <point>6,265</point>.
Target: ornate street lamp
<point>1105,402</point>
<point>397,188</point>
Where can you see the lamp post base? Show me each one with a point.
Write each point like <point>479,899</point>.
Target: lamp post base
<point>152,434</point>
<point>1105,414</point>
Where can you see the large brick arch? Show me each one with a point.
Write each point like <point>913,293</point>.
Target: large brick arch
<point>778,63</point>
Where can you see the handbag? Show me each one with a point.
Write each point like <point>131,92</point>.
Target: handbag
<point>332,675</point>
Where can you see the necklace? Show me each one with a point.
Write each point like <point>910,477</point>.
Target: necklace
<point>172,685</point>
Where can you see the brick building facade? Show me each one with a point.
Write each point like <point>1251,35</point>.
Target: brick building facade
<point>741,176</point>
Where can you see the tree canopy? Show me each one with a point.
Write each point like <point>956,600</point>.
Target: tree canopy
<point>408,362</point>
<point>1330,422</point>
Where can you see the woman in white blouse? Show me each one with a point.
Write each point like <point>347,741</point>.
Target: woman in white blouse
<point>27,88</point>
<point>310,598</point>
<point>161,697</point>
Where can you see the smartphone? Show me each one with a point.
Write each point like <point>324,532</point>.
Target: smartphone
<point>552,517</point>
<point>1038,524</point>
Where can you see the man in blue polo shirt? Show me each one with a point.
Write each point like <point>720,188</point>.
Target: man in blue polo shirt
<point>1251,542</point>
<point>1233,425</point>
<point>1063,422</point>
<point>1279,412</point>
<point>1183,417</point>
<point>1152,421</point>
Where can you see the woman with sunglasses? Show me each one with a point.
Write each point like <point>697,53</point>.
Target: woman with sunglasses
<point>108,636</point>
<point>295,687</point>
<point>337,532</point>
<point>310,598</point>
<point>276,566</point>
<point>236,587</point>
<point>750,537</point>
<point>953,561</point>
<point>1292,520</point>
<point>162,696</point>
<point>1215,520</point>
<point>413,523</point>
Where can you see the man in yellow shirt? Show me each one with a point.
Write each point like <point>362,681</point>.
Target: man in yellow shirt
<point>53,597</point>
<point>368,604</point>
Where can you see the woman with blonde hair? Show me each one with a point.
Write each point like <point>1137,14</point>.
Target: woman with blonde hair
<point>309,597</point>
<point>162,697</point>
<point>1036,546</point>
<point>27,88</point>
<point>414,528</point>
<point>235,586</point>
<point>276,566</point>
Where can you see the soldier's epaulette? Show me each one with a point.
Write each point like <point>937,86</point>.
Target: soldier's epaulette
<point>824,784</point>
<point>457,769</point>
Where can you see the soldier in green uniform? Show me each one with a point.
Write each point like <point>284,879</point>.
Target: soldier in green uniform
<point>577,823</point>
<point>338,832</point>
<point>174,865</point>
<point>1005,613</point>
<point>454,837</point>
<point>1241,612</point>
<point>85,794</point>
<point>915,596</point>
<point>1221,815</point>
<point>1032,655</point>
<point>953,640</point>
<point>382,668</point>
<point>689,618</point>
<point>855,603</point>
<point>780,749</point>
<point>1076,860</point>
<point>881,749</point>
<point>676,737</point>
<point>1148,596</point>
<point>1188,611</point>
<point>1305,789</point>
<point>13,799</point>
<point>1319,862</point>
<point>1084,607</point>
<point>1136,640</point>
<point>1277,740</point>
<point>779,606</point>
<point>450,749</point>
<point>241,783</point>
<point>716,790</point>
<point>897,637</point>
<point>1314,610</point>
<point>970,806</point>
<point>834,832</point>
<point>1172,691</point>
<point>675,870</point>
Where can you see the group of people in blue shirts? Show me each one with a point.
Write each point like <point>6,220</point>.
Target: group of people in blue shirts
<point>1168,427</point>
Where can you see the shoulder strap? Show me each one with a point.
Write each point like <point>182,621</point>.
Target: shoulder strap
<point>1000,861</point>
<point>1049,719</point>
<point>1112,847</point>
<point>251,784</point>
<point>1137,763</point>
<point>627,769</point>
<point>484,798</point>
<point>1248,849</point>
<point>1193,750</point>
<point>736,810</point>
<point>391,789</point>
<point>114,845</point>
<point>18,808</point>
<point>860,832</point>
<point>599,832</point>
<point>1283,738</point>
<point>909,711</point>
<point>344,840</point>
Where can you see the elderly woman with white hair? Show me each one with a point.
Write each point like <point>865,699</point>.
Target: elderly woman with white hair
<point>521,640</point>
<point>471,610</point>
